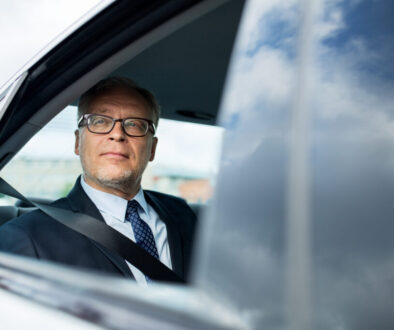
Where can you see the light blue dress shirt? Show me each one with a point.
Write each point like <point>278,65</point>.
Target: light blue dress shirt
<point>113,210</point>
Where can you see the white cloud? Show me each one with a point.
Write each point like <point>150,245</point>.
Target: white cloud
<point>265,80</point>
<point>253,29</point>
<point>353,108</point>
<point>330,20</point>
<point>268,75</point>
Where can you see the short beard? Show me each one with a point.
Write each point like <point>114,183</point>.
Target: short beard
<point>127,183</point>
<point>124,183</point>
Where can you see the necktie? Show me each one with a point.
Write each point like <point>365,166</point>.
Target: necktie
<point>142,233</point>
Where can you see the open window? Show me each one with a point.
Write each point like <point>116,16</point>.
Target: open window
<point>180,50</point>
<point>182,61</point>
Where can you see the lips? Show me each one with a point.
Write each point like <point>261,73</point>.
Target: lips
<point>115,155</point>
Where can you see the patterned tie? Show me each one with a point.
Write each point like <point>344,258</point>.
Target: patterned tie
<point>143,234</point>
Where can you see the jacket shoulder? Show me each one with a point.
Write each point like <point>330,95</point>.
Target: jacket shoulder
<point>175,204</point>
<point>165,197</point>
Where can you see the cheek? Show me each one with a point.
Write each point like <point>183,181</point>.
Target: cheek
<point>86,147</point>
<point>146,151</point>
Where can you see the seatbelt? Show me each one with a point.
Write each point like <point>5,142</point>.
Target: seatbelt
<point>103,234</point>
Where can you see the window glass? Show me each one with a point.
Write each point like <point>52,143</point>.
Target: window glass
<point>186,160</point>
<point>185,164</point>
<point>46,166</point>
<point>309,148</point>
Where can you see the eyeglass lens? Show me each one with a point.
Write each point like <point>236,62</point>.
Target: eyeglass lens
<point>102,124</point>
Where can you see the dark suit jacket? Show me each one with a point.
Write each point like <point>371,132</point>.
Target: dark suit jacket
<point>37,235</point>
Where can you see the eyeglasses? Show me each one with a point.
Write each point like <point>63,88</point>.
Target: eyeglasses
<point>101,124</point>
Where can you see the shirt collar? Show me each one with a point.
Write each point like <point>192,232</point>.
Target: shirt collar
<point>140,198</point>
<point>112,204</point>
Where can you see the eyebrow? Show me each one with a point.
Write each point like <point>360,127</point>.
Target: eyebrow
<point>102,110</point>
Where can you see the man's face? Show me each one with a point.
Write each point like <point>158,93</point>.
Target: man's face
<point>116,160</point>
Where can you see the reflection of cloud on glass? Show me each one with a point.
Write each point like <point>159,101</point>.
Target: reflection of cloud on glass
<point>345,84</point>
<point>264,71</point>
<point>354,87</point>
<point>330,22</point>
<point>353,145</point>
<point>267,22</point>
<point>353,169</point>
<point>232,122</point>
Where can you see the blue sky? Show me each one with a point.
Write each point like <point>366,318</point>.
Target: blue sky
<point>370,21</point>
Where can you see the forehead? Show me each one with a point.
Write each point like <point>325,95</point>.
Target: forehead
<point>120,102</point>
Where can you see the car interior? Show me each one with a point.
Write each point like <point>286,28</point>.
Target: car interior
<point>182,61</point>
<point>180,50</point>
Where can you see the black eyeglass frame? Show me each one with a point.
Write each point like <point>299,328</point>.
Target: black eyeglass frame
<point>83,121</point>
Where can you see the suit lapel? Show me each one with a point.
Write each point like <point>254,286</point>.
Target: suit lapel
<point>173,234</point>
<point>80,202</point>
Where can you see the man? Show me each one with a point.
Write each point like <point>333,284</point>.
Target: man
<point>115,140</point>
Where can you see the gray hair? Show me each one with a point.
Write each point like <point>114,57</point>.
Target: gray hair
<point>112,83</point>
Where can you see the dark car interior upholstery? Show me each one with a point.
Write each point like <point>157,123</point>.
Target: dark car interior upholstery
<point>11,211</point>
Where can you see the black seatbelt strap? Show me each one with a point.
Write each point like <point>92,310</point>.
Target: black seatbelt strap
<point>103,234</point>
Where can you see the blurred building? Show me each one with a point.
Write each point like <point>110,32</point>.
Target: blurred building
<point>53,178</point>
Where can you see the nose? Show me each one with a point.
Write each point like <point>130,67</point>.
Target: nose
<point>117,133</point>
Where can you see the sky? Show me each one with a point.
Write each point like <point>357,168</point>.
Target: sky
<point>26,27</point>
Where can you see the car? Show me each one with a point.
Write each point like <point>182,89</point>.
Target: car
<point>297,233</point>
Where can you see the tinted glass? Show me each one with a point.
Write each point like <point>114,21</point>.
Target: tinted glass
<point>352,167</point>
<point>300,235</point>
<point>243,234</point>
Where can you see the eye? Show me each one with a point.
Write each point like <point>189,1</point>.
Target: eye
<point>130,123</point>
<point>137,127</point>
<point>99,120</point>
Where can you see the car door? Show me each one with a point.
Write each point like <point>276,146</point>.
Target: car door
<point>298,232</point>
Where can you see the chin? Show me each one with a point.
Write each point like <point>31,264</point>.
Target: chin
<point>115,177</point>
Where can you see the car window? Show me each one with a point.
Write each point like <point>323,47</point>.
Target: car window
<point>186,72</point>
<point>299,232</point>
<point>188,78</point>
<point>185,164</point>
<point>309,107</point>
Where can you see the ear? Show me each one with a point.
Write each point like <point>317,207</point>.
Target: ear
<point>153,150</point>
<point>76,148</point>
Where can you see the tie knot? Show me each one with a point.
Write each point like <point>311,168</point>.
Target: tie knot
<point>132,204</point>
<point>132,208</point>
